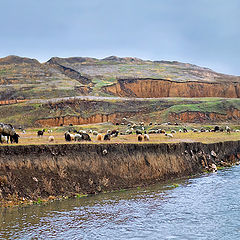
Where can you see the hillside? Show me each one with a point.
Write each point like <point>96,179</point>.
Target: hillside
<point>89,111</point>
<point>24,78</point>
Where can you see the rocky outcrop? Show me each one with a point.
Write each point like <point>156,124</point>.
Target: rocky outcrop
<point>193,117</point>
<point>68,71</point>
<point>157,88</point>
<point>32,172</point>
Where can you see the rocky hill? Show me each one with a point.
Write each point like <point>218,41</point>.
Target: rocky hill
<point>24,78</point>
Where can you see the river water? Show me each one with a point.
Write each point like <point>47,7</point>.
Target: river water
<point>204,207</point>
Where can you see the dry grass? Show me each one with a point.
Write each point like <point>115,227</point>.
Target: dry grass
<point>30,137</point>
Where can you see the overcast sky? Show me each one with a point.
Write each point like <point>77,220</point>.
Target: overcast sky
<point>202,32</point>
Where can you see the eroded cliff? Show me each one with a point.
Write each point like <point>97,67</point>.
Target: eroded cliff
<point>157,88</point>
<point>33,172</point>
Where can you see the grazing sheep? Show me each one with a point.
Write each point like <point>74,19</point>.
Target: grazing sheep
<point>138,132</point>
<point>195,130</point>
<point>173,131</point>
<point>185,130</point>
<point>3,139</point>
<point>140,138</point>
<point>114,133</point>
<point>67,136</point>
<point>162,131</point>
<point>77,137</point>
<point>109,131</point>
<point>95,133</point>
<point>14,138</point>
<point>216,129</point>
<point>90,131</point>
<point>151,131</point>
<point>128,132</point>
<point>169,135</point>
<point>86,137</point>
<point>51,138</point>
<point>107,137</point>
<point>228,129</point>
<point>99,137</point>
<point>180,130</point>
<point>49,130</point>
<point>237,130</point>
<point>146,137</point>
<point>40,133</point>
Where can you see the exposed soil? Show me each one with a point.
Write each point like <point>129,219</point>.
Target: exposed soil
<point>32,172</point>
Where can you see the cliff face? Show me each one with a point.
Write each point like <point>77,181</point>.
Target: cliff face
<point>77,120</point>
<point>33,172</point>
<point>193,117</point>
<point>151,88</point>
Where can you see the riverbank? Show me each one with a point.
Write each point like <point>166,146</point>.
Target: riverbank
<point>32,172</point>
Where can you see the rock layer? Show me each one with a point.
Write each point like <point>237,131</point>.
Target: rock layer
<point>157,88</point>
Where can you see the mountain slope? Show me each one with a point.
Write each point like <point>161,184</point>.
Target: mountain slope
<point>24,78</point>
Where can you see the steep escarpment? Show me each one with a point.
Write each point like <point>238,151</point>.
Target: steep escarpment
<point>33,172</point>
<point>78,120</point>
<point>232,115</point>
<point>157,88</point>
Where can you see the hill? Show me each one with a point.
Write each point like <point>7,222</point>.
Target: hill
<point>24,78</point>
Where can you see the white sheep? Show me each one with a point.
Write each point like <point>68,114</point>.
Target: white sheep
<point>146,137</point>
<point>95,133</point>
<point>51,138</point>
<point>4,139</point>
<point>169,135</point>
<point>77,137</point>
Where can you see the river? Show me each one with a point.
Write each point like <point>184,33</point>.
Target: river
<point>204,207</point>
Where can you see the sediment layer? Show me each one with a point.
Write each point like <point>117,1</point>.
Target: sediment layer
<point>193,117</point>
<point>157,88</point>
<point>33,171</point>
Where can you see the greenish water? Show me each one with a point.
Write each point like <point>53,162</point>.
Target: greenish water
<point>207,207</point>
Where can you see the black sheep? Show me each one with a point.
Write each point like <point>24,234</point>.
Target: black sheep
<point>107,137</point>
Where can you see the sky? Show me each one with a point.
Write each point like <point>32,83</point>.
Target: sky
<point>201,32</point>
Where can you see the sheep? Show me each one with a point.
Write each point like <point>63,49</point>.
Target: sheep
<point>180,130</point>
<point>169,135</point>
<point>237,130</point>
<point>86,137</point>
<point>95,133</point>
<point>128,132</point>
<point>140,138</point>
<point>146,137</point>
<point>49,130</point>
<point>40,133</point>
<point>77,137</point>
<point>138,132</point>
<point>108,131</point>
<point>107,137</point>
<point>185,130</point>
<point>173,131</point>
<point>114,133</point>
<point>14,138</point>
<point>99,137</point>
<point>151,131</point>
<point>51,138</point>
<point>195,130</point>
<point>67,136</point>
<point>3,139</point>
<point>228,129</point>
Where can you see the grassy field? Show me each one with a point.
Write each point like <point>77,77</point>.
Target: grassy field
<point>30,137</point>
